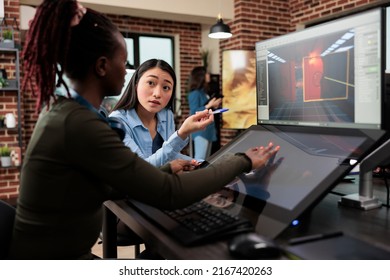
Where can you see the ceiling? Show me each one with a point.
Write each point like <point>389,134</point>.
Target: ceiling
<point>199,11</point>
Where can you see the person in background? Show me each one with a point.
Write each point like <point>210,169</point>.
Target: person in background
<point>145,109</point>
<point>74,160</point>
<point>199,100</point>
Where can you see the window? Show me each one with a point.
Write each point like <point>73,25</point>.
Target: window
<point>143,47</point>
<point>156,47</point>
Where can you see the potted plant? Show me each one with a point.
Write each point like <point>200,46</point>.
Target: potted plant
<point>3,82</point>
<point>7,35</point>
<point>5,156</point>
<point>7,38</point>
<point>205,57</point>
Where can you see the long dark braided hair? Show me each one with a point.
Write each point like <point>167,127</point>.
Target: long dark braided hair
<point>53,47</point>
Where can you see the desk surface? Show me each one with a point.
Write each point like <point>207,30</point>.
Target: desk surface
<point>372,226</point>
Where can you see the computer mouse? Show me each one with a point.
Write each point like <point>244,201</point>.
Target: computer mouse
<point>253,246</point>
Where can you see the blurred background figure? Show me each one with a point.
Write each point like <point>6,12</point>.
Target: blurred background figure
<point>199,100</point>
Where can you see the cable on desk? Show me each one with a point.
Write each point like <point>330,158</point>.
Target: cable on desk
<point>337,193</point>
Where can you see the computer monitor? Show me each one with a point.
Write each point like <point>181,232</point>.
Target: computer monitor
<point>331,74</point>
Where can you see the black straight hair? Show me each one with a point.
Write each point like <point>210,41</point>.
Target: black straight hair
<point>129,99</point>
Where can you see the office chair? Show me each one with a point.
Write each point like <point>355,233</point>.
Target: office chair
<point>7,217</point>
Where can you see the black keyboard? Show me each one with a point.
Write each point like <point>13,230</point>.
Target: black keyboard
<point>197,223</point>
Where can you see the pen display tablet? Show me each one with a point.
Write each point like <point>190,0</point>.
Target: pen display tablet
<point>309,163</point>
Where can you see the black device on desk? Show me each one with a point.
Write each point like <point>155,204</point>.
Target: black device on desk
<point>253,246</point>
<point>199,222</point>
<point>310,162</point>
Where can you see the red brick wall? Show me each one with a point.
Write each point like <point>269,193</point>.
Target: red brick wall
<point>254,20</point>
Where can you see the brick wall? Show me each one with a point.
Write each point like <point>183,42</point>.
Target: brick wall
<point>254,20</point>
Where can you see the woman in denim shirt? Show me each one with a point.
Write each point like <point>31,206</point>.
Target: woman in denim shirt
<point>146,112</point>
<point>145,109</point>
<point>199,100</point>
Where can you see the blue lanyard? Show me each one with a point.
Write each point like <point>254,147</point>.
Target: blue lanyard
<point>114,123</point>
<point>82,101</point>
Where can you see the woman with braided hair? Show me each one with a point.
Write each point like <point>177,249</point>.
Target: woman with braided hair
<point>74,160</point>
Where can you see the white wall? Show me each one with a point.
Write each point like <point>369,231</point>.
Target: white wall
<point>212,45</point>
<point>200,11</point>
<point>1,8</point>
<point>204,12</point>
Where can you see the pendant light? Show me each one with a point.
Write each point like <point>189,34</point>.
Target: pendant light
<point>220,30</point>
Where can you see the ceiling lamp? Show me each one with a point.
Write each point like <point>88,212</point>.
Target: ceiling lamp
<point>220,30</point>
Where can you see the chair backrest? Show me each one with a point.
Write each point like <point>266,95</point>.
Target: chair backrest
<point>7,217</point>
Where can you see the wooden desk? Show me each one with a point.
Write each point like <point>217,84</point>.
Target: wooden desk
<point>372,226</point>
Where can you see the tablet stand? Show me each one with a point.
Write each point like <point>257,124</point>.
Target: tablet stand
<point>365,199</point>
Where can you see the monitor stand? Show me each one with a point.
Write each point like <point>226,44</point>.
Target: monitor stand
<point>365,199</point>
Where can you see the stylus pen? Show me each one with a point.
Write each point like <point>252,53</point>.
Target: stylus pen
<point>219,111</point>
<point>314,237</point>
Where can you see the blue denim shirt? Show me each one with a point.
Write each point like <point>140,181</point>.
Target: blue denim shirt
<point>138,138</point>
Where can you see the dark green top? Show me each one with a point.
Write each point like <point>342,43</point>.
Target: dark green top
<point>73,163</point>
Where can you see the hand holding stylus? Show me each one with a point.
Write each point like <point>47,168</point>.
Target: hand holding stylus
<point>196,122</point>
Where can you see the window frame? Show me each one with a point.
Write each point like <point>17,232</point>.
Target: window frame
<point>136,47</point>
